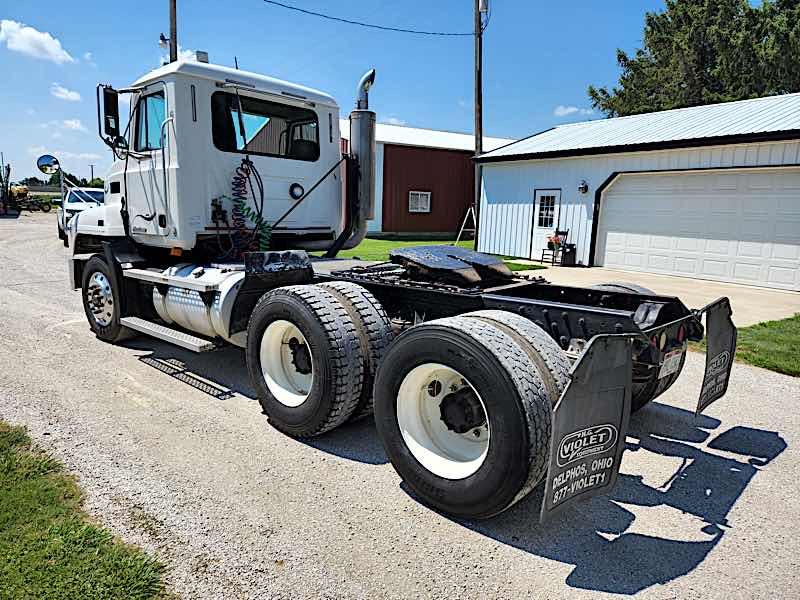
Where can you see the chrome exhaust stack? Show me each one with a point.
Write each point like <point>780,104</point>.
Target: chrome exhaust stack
<point>362,148</point>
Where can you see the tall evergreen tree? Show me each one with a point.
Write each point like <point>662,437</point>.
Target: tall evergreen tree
<point>703,51</point>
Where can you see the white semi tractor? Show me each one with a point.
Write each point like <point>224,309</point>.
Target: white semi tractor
<point>483,385</point>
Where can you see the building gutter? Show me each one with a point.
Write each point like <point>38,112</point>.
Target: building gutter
<point>724,140</point>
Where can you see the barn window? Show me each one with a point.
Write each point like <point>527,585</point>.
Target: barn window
<point>547,209</point>
<point>419,202</point>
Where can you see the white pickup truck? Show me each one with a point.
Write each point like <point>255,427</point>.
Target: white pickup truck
<point>77,199</point>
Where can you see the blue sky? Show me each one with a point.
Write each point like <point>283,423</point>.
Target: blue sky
<point>538,56</point>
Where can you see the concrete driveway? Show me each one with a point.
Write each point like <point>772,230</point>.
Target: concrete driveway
<point>750,304</point>
<point>174,454</point>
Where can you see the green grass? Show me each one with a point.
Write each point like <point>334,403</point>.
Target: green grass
<point>48,546</point>
<point>373,249</point>
<point>773,345</point>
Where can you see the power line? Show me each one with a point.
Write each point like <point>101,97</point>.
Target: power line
<point>371,25</point>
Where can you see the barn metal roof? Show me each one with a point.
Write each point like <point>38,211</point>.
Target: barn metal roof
<point>770,118</point>
<point>426,138</point>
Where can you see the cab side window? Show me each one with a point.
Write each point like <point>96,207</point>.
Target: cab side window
<point>151,112</point>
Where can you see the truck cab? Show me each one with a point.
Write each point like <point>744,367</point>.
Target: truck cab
<point>179,161</point>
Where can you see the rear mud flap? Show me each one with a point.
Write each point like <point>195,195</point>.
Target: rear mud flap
<point>590,422</point>
<point>721,337</point>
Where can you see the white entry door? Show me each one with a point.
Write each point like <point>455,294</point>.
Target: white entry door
<point>741,226</point>
<point>546,205</point>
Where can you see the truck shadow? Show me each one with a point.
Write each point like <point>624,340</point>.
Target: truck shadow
<point>222,374</point>
<point>613,553</point>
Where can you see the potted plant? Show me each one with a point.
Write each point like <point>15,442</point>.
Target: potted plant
<point>554,241</point>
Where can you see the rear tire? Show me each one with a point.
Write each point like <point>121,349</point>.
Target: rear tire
<point>374,332</point>
<point>101,302</point>
<point>624,286</point>
<point>653,388</point>
<point>304,359</point>
<point>45,206</point>
<point>433,456</point>
<point>544,353</point>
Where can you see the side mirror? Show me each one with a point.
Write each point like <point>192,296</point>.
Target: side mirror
<point>48,164</point>
<point>111,113</point>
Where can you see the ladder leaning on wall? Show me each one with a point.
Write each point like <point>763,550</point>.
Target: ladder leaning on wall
<point>470,213</point>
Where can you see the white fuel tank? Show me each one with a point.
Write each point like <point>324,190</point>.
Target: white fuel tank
<point>187,308</point>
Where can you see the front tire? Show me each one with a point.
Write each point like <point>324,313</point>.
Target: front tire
<point>304,359</point>
<point>101,302</point>
<point>463,416</point>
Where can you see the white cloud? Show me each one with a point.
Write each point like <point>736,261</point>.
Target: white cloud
<point>56,135</point>
<point>73,124</point>
<point>32,42</point>
<point>565,111</point>
<point>183,54</point>
<point>393,121</point>
<point>62,93</point>
<point>30,112</point>
<point>63,154</point>
<point>463,104</point>
<point>87,56</point>
<point>66,125</point>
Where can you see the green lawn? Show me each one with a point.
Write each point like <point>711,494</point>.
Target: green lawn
<point>773,345</point>
<point>48,546</point>
<point>372,249</point>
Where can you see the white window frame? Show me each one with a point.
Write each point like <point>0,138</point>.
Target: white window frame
<point>419,196</point>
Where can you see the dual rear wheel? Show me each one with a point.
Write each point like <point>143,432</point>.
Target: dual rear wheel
<point>462,405</point>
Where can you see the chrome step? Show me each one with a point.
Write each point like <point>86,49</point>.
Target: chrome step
<point>178,338</point>
<point>187,283</point>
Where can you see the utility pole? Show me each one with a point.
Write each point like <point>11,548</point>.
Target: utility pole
<point>91,170</point>
<point>481,6</point>
<point>173,31</point>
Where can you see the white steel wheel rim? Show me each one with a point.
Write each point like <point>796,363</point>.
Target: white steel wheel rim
<point>289,386</point>
<point>100,299</point>
<point>443,452</point>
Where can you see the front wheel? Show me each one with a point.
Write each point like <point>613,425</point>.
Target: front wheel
<point>101,302</point>
<point>464,416</point>
<point>45,206</point>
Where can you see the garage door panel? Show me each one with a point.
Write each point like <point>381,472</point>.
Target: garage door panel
<point>714,268</point>
<point>750,249</point>
<point>741,226</point>
<point>790,252</point>
<point>659,262</point>
<point>719,247</point>
<point>747,272</point>
<point>783,276</point>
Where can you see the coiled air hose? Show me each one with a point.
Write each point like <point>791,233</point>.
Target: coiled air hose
<point>257,239</point>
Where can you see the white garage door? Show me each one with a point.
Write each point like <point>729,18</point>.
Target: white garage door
<point>741,226</point>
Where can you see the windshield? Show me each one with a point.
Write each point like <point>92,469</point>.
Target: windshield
<point>85,196</point>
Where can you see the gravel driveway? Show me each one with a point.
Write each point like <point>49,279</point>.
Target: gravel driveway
<point>175,455</point>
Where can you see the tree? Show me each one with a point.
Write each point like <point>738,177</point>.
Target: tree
<point>69,178</point>
<point>31,181</point>
<point>97,182</point>
<point>704,51</point>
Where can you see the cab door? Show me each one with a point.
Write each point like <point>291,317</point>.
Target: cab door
<point>146,183</point>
